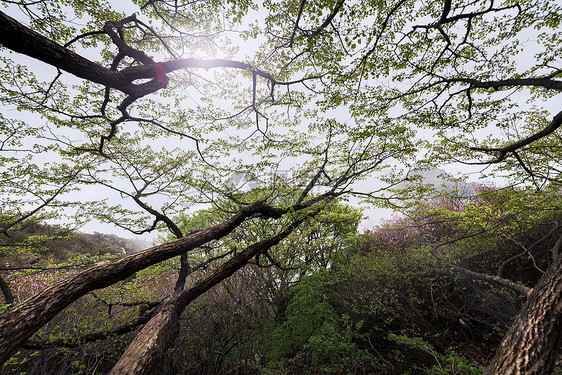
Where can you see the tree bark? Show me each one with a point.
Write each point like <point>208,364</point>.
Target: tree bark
<point>144,353</point>
<point>17,325</point>
<point>533,341</point>
<point>22,39</point>
<point>6,291</point>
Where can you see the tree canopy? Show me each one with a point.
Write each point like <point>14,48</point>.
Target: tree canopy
<point>170,106</point>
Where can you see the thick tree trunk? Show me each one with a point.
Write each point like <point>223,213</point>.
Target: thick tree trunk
<point>146,350</point>
<point>17,325</point>
<point>6,291</point>
<point>151,343</point>
<point>22,39</point>
<point>532,343</point>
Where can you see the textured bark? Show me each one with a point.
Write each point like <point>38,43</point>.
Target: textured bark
<point>17,325</point>
<point>6,291</point>
<point>185,270</point>
<point>149,345</point>
<point>159,334</point>
<point>533,341</point>
<point>22,39</point>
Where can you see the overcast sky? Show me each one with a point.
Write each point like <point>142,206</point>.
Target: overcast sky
<point>373,216</point>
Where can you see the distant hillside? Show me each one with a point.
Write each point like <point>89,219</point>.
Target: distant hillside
<point>99,243</point>
<point>35,242</point>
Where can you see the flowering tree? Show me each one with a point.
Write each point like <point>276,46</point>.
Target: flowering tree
<point>505,227</point>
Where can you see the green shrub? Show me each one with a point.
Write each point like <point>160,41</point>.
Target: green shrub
<point>314,336</point>
<point>448,363</point>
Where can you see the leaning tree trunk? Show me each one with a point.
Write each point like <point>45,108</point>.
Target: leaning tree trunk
<point>20,323</point>
<point>532,343</point>
<point>146,350</point>
<point>5,288</point>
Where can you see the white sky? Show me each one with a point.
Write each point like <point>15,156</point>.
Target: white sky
<point>374,216</point>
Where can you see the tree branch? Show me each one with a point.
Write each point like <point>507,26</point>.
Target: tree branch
<point>481,276</point>
<point>503,151</point>
<point>143,318</point>
<point>33,313</point>
<point>6,291</point>
<point>328,20</point>
<point>146,349</point>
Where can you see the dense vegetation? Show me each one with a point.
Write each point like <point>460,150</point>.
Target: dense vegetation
<point>381,304</point>
<point>247,133</point>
